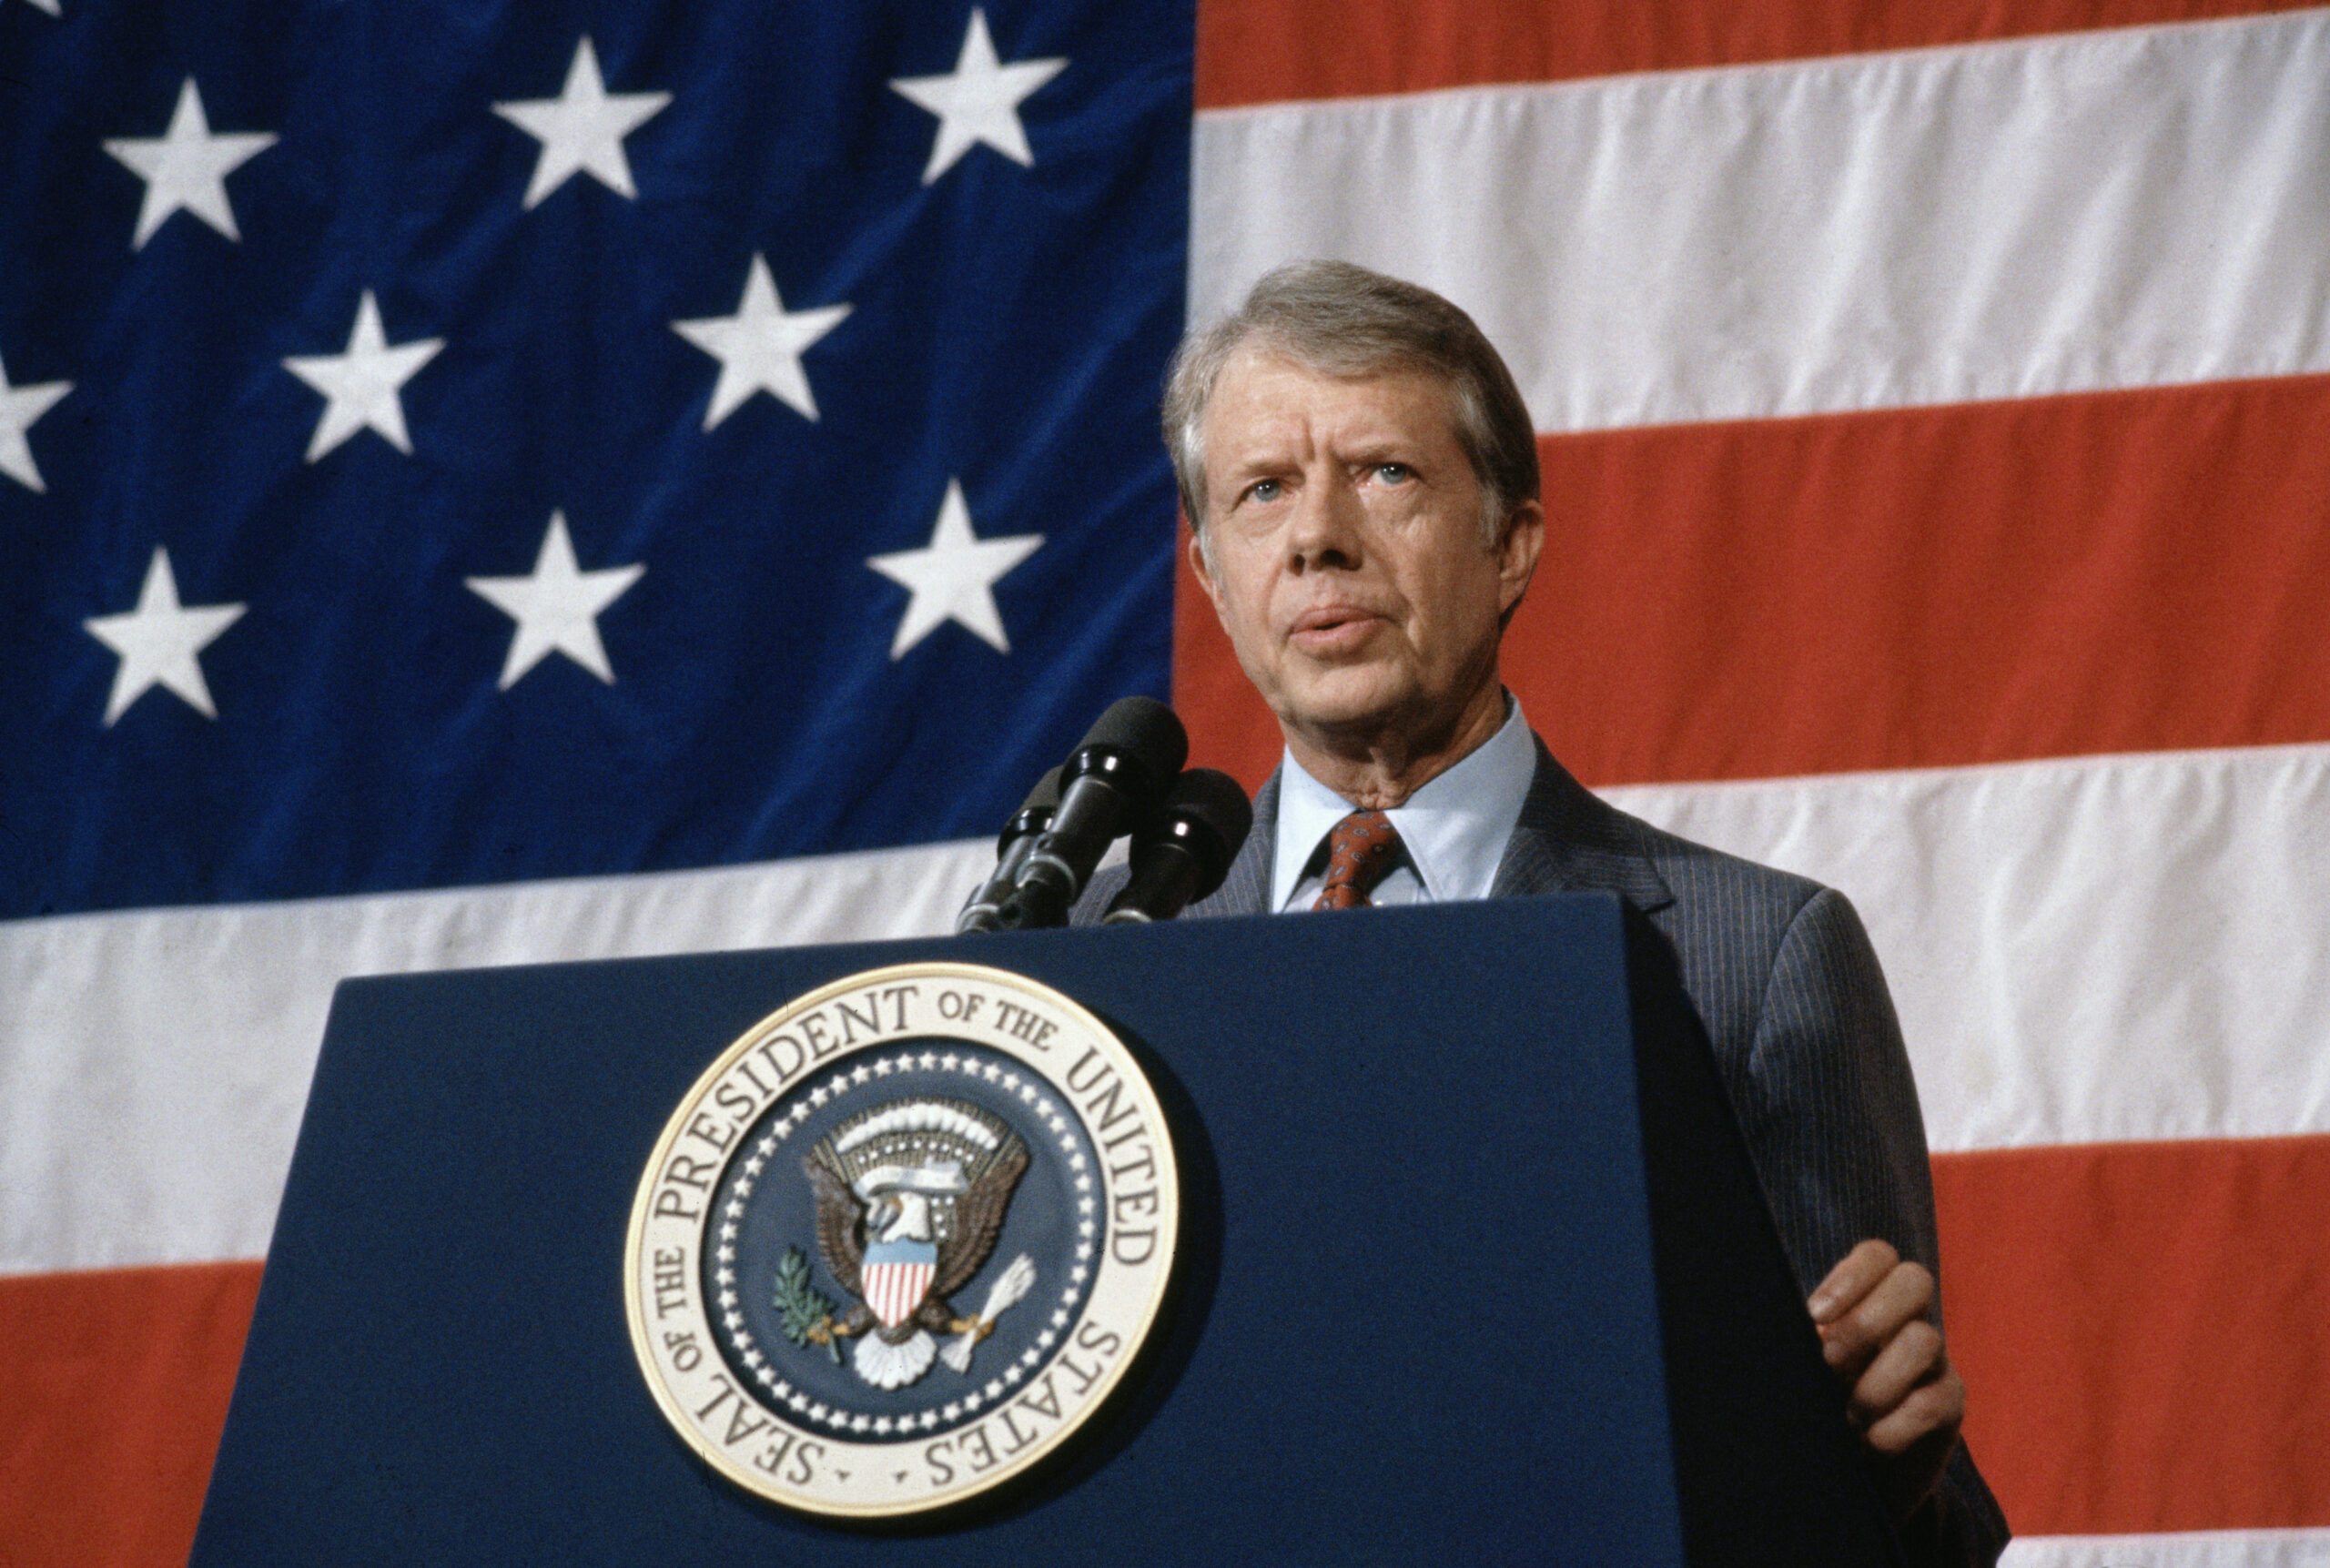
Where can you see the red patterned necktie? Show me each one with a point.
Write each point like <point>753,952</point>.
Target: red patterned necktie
<point>1360,849</point>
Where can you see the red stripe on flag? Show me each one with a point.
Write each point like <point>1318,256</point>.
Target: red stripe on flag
<point>116,1389</point>
<point>2144,1330</point>
<point>1275,51</point>
<point>1909,588</point>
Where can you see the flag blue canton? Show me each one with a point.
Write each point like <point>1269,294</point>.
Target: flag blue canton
<point>447,444</point>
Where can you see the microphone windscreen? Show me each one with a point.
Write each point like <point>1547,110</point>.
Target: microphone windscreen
<point>1217,801</point>
<point>1145,730</point>
<point>1034,815</point>
<point>1045,795</point>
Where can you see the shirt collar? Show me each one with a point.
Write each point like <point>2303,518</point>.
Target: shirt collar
<point>1455,828</point>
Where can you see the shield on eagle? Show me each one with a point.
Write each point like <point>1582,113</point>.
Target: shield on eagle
<point>894,1275</point>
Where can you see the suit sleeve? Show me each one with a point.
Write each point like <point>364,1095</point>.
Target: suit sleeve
<point>1838,1137</point>
<point>1834,1124</point>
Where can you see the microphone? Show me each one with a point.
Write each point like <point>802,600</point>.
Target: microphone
<point>1011,849</point>
<point>1117,775</point>
<point>1182,854</point>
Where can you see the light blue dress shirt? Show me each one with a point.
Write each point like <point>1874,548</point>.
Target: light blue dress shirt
<point>1452,831</point>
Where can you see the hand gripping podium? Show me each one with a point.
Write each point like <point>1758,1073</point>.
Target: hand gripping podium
<point>1473,1267</point>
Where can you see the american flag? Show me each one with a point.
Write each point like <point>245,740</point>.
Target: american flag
<point>482,488</point>
<point>456,459</point>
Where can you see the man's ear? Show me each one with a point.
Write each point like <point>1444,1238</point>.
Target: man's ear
<point>1199,565</point>
<point>1525,538</point>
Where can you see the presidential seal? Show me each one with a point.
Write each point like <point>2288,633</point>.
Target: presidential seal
<point>901,1239</point>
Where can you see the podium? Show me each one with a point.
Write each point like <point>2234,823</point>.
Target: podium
<point>1473,1264</point>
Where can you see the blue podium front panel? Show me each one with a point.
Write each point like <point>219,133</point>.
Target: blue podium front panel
<point>1417,1308</point>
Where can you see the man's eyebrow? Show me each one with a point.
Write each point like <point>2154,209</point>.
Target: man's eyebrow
<point>1258,462</point>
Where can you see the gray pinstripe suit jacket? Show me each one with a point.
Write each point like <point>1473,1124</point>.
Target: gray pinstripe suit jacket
<point>1803,1031</point>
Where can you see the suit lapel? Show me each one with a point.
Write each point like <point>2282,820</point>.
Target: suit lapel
<point>1568,840</point>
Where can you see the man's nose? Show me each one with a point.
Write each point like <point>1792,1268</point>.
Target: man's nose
<point>1326,529</point>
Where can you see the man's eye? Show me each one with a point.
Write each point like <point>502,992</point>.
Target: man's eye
<point>1395,473</point>
<point>1266,489</point>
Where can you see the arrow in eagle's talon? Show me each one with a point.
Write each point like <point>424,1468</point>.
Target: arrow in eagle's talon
<point>1001,1296</point>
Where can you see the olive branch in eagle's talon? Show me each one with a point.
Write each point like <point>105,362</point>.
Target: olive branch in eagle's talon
<point>807,1315</point>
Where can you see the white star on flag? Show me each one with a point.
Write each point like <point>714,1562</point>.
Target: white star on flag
<point>159,640</point>
<point>47,5</point>
<point>362,383</point>
<point>556,608</point>
<point>759,348</point>
<point>953,577</point>
<point>20,408</point>
<point>979,102</point>
<point>186,167</point>
<point>582,129</point>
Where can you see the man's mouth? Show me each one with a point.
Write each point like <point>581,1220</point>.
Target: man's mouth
<point>1326,628</point>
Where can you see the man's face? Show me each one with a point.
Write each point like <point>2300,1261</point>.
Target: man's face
<point>1347,563</point>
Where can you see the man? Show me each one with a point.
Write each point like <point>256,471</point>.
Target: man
<point>1360,478</point>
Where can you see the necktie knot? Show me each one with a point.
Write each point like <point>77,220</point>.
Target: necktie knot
<point>1360,849</point>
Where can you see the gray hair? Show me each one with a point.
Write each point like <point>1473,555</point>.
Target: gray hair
<point>1340,320</point>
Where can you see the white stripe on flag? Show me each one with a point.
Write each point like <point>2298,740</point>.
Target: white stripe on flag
<point>2082,212</point>
<point>153,1062</point>
<point>2090,950</point>
<point>2129,947</point>
<point>2193,1549</point>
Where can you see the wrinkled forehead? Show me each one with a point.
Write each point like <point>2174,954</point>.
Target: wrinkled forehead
<point>1267,395</point>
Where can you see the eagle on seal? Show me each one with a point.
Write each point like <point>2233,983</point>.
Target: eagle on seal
<point>911,1197</point>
